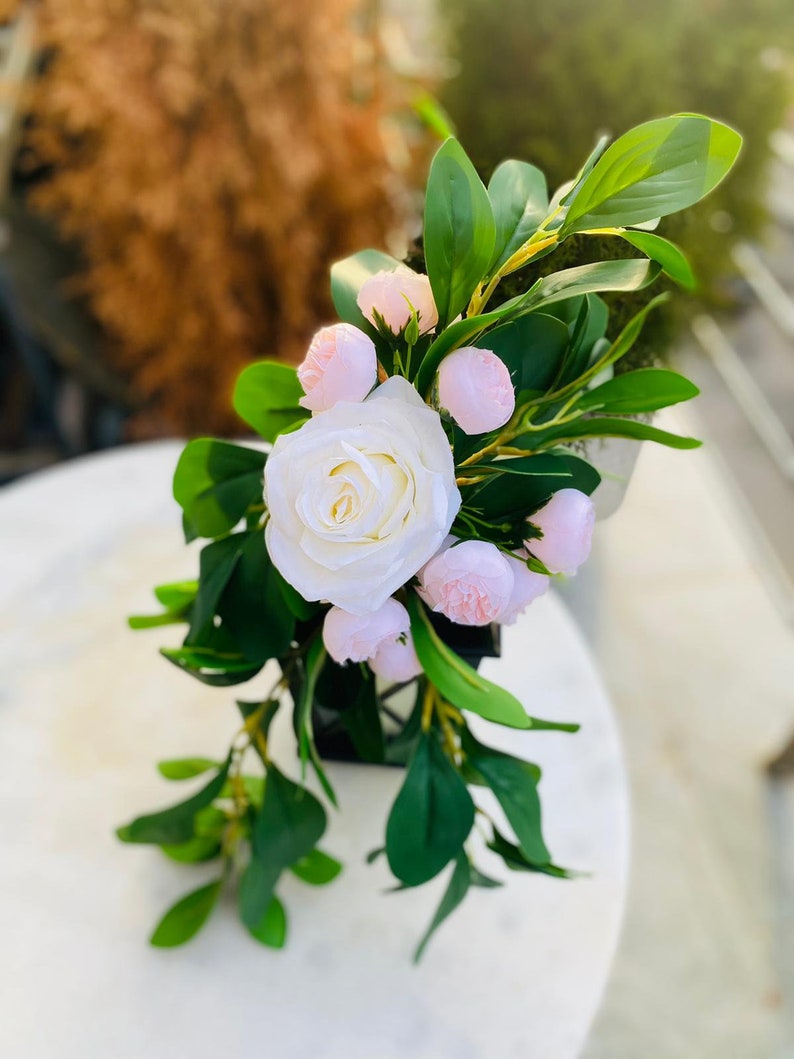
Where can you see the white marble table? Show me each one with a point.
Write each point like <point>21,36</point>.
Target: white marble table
<point>87,707</point>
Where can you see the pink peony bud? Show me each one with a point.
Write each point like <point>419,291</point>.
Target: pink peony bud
<point>470,582</point>
<point>527,587</point>
<point>341,365</point>
<point>357,637</point>
<point>567,523</point>
<point>474,386</point>
<point>393,294</point>
<point>396,660</point>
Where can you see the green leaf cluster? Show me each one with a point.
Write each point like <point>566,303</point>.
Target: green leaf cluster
<point>554,339</point>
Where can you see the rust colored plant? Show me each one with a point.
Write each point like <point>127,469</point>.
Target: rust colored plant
<point>211,160</point>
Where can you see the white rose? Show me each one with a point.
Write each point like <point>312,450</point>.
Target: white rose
<point>360,498</point>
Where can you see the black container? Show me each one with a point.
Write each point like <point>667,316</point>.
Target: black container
<point>340,687</point>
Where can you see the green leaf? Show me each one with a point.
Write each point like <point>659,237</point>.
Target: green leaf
<point>599,361</point>
<point>266,397</point>
<point>485,881</point>
<point>543,465</point>
<point>519,199</point>
<point>456,890</point>
<point>671,257</point>
<point>301,608</point>
<point>587,327</point>
<point>533,348</point>
<point>456,680</point>
<point>614,428</point>
<point>514,493</point>
<point>516,861</point>
<point>252,605</point>
<point>153,621</point>
<point>196,850</point>
<point>239,584</point>
<point>185,768</point>
<point>653,170</point>
<point>348,277</point>
<point>287,827</point>
<point>215,482</point>
<point>217,563</point>
<point>186,918</point>
<point>174,825</point>
<point>271,930</point>
<point>601,145</point>
<point>643,390</point>
<point>621,275</point>
<point>459,230</point>
<point>316,868</point>
<point>431,816</point>
<point>515,784</point>
<point>177,598</point>
<point>217,669</point>
<point>177,594</point>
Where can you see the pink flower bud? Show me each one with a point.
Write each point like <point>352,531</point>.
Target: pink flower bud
<point>396,660</point>
<point>357,637</point>
<point>470,582</point>
<point>393,294</point>
<point>474,386</point>
<point>567,522</point>
<point>527,586</point>
<point>341,365</point>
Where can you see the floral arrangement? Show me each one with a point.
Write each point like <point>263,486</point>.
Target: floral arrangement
<point>420,480</point>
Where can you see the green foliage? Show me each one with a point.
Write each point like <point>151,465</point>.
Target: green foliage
<point>185,768</point>
<point>458,887</point>
<point>174,825</point>
<point>271,930</point>
<point>431,816</point>
<point>554,337</point>
<point>532,347</point>
<point>515,784</point>
<point>653,170</point>
<point>456,680</point>
<point>316,868</point>
<point>639,391</point>
<point>215,482</point>
<point>520,201</point>
<point>287,828</point>
<point>535,85</point>
<point>186,918</point>
<point>459,230</point>
<point>266,397</point>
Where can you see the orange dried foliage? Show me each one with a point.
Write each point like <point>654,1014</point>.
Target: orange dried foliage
<point>211,159</point>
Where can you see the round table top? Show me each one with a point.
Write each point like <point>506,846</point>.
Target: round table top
<point>87,707</point>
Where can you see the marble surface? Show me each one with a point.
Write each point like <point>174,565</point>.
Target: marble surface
<point>87,707</point>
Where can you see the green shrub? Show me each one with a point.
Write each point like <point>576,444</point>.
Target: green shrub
<point>537,81</point>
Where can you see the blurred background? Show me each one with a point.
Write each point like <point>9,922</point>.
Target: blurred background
<point>176,177</point>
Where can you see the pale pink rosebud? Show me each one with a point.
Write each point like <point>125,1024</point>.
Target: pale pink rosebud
<point>527,586</point>
<point>357,637</point>
<point>396,659</point>
<point>392,295</point>
<point>474,386</point>
<point>567,522</point>
<point>470,583</point>
<point>341,365</point>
